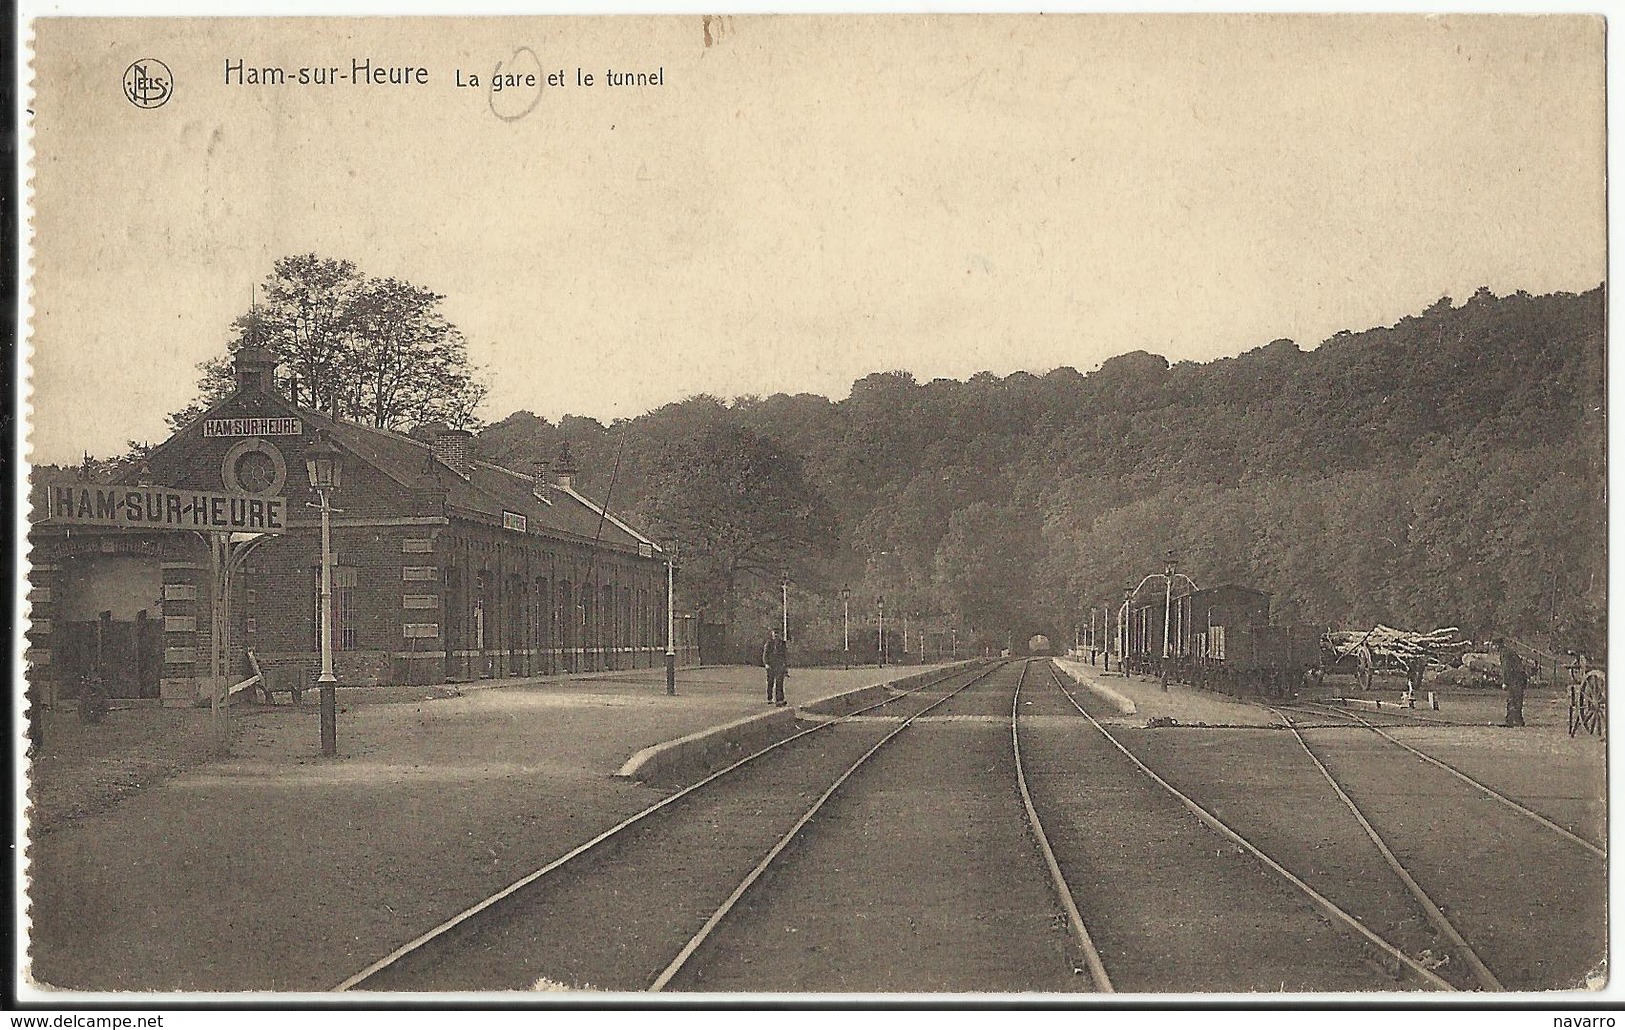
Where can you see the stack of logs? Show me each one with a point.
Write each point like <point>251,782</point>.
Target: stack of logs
<point>1387,647</point>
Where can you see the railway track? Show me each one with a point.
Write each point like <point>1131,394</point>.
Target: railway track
<point>1393,716</point>
<point>1482,974</point>
<point>1529,892</point>
<point>1350,719</point>
<point>1192,948</point>
<point>950,896</point>
<point>1395,959</point>
<point>1489,893</point>
<point>528,929</point>
<point>914,845</point>
<point>1098,832</point>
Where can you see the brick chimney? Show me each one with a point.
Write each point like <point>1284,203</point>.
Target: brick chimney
<point>541,472</point>
<point>564,469</point>
<point>254,367</point>
<point>451,450</point>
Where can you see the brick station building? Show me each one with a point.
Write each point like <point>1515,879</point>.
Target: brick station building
<point>445,568</point>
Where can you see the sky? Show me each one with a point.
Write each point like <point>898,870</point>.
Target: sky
<point>801,201</point>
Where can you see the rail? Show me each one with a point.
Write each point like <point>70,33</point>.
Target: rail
<point>695,942</point>
<point>488,903</point>
<point>1434,913</point>
<point>1330,908</point>
<point>1521,809</point>
<point>1091,954</point>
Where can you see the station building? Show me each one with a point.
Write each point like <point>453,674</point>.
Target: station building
<point>445,568</point>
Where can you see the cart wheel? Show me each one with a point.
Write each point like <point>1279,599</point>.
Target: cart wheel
<point>1594,702</point>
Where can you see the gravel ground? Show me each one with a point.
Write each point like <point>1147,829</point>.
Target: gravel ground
<point>271,869</point>
<point>86,769</point>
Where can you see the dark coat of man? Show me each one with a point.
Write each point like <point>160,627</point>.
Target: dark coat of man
<point>1515,677</point>
<point>775,654</point>
<point>776,660</point>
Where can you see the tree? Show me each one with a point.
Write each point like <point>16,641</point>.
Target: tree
<point>377,351</point>
<point>215,383</point>
<point>983,568</point>
<point>405,363</point>
<point>312,310</point>
<point>736,505</point>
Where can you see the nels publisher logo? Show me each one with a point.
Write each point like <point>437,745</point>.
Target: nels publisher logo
<point>148,83</point>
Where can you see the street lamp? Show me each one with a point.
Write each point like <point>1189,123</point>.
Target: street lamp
<point>784,591</point>
<point>324,464</point>
<point>846,628</point>
<point>1168,601</point>
<point>1167,613</point>
<point>1123,631</point>
<point>671,641</point>
<point>880,631</point>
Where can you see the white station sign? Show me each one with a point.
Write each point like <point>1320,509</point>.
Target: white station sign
<point>164,507</point>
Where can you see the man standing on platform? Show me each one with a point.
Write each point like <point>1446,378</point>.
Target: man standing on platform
<point>776,660</point>
<point>1514,679</point>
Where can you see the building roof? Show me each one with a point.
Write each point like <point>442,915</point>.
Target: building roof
<point>484,495</point>
<point>488,491</point>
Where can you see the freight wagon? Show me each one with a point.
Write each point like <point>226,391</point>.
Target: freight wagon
<point>1219,638</point>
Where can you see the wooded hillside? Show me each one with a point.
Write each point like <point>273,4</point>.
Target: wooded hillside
<point>1449,469</point>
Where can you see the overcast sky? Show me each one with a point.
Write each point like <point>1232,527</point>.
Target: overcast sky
<point>803,201</point>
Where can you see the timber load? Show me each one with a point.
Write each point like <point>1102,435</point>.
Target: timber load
<point>1386,647</point>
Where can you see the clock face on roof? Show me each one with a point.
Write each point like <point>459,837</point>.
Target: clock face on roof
<point>255,467</point>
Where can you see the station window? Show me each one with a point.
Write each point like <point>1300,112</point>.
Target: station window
<point>344,611</point>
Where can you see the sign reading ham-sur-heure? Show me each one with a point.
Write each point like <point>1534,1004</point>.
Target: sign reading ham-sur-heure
<point>253,427</point>
<point>164,507</point>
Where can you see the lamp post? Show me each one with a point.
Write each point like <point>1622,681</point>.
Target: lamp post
<point>671,640</point>
<point>324,465</point>
<point>846,628</point>
<point>905,636</point>
<point>1122,631</point>
<point>784,592</point>
<point>1167,613</point>
<point>1168,601</point>
<point>880,631</point>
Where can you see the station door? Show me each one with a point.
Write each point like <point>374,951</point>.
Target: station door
<point>128,655</point>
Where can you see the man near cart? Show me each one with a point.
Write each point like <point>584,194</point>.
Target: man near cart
<point>1515,680</point>
<point>776,660</point>
<point>1416,667</point>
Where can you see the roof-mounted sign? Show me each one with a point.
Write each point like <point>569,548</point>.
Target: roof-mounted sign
<point>167,508</point>
<point>253,427</point>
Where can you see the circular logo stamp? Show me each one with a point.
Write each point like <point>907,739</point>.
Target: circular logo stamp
<point>148,83</point>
